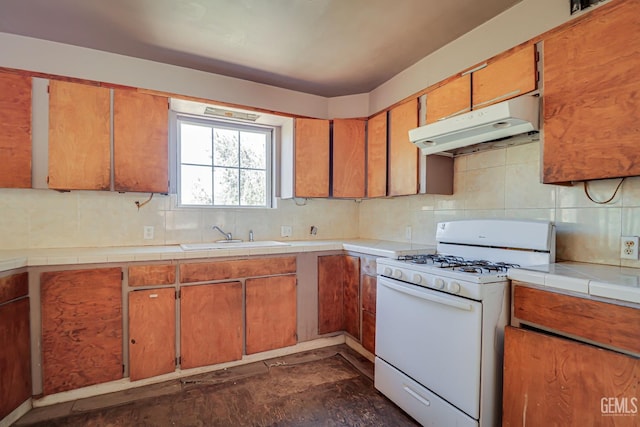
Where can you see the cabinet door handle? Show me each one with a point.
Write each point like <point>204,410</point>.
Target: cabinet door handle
<point>133,341</point>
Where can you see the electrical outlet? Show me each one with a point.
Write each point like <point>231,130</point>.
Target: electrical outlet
<point>148,232</point>
<point>285,231</point>
<point>407,232</point>
<point>629,247</point>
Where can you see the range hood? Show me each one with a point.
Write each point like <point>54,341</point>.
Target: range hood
<point>508,118</point>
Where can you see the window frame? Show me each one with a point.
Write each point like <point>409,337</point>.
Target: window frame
<point>212,122</point>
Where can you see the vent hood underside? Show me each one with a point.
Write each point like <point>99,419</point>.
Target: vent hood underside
<point>513,117</point>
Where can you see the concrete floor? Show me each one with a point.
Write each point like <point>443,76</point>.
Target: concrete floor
<point>325,387</point>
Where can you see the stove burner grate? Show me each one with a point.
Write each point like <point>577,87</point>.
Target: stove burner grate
<point>458,263</point>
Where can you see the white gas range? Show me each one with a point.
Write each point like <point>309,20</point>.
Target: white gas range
<point>440,319</point>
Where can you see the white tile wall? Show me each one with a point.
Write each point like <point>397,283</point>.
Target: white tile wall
<point>497,183</point>
<point>506,183</point>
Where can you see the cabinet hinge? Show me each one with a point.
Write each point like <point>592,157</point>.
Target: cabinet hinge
<point>178,294</point>
<point>122,275</point>
<point>178,360</point>
<point>122,369</point>
<point>295,334</point>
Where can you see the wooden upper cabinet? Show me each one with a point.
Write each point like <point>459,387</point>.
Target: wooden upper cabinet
<point>403,155</point>
<point>377,155</point>
<point>591,99</point>
<point>348,158</point>
<point>15,131</point>
<point>311,158</point>
<point>450,99</point>
<point>79,136</point>
<point>140,142</point>
<point>507,77</point>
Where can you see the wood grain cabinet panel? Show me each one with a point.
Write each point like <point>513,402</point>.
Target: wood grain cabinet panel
<point>210,324</point>
<point>591,101</point>
<point>330,293</point>
<point>339,294</point>
<point>552,381</point>
<point>403,155</point>
<point>450,99</point>
<point>348,158</point>
<point>270,313</point>
<point>505,78</point>
<point>140,142</point>
<point>152,333</point>
<point>311,158</point>
<point>79,136</point>
<point>369,288</point>
<point>15,131</point>
<point>81,328</point>
<point>149,275</point>
<point>369,331</point>
<point>223,270</point>
<point>608,324</point>
<point>377,155</point>
<point>14,286</point>
<point>15,355</point>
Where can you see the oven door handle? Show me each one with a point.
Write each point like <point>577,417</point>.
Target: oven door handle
<point>429,297</point>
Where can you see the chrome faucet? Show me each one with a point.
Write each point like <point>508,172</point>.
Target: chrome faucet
<point>226,235</point>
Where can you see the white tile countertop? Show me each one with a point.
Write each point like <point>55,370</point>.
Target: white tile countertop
<point>607,281</point>
<point>11,259</point>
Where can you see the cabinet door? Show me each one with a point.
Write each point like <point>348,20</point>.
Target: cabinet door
<point>152,333</point>
<point>403,155</point>
<point>15,131</point>
<point>210,324</point>
<point>377,155</point>
<point>15,355</point>
<point>339,294</point>
<point>330,294</point>
<point>311,158</point>
<point>270,313</point>
<point>369,288</point>
<point>81,328</point>
<point>351,290</point>
<point>551,381</point>
<point>590,103</point>
<point>140,147</point>
<point>79,137</point>
<point>450,99</point>
<point>348,158</point>
<point>507,77</point>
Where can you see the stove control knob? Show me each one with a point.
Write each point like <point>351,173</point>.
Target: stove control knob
<point>387,271</point>
<point>417,279</point>
<point>439,283</point>
<point>397,274</point>
<point>453,287</point>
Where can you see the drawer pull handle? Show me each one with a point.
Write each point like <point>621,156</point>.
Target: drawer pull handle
<point>416,396</point>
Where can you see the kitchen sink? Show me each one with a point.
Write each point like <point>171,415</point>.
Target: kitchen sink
<point>233,244</point>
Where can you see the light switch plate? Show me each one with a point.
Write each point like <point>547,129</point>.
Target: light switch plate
<point>148,232</point>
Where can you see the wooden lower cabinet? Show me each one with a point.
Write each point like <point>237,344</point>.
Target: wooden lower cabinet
<point>369,288</point>
<point>15,355</point>
<point>339,294</point>
<point>270,313</point>
<point>210,324</point>
<point>553,381</point>
<point>152,333</point>
<point>81,328</point>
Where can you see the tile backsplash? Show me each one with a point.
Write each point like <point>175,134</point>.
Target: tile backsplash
<point>506,183</point>
<point>497,183</point>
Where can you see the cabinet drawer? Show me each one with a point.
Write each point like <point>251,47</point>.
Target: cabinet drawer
<point>223,270</point>
<point>145,275</point>
<point>14,286</point>
<point>605,323</point>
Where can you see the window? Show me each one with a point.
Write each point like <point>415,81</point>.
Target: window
<point>223,164</point>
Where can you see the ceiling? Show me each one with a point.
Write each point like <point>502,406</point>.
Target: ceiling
<point>324,47</point>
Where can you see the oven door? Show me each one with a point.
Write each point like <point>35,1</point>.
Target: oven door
<point>432,337</point>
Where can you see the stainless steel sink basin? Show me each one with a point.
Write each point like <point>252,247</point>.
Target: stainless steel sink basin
<point>230,244</point>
